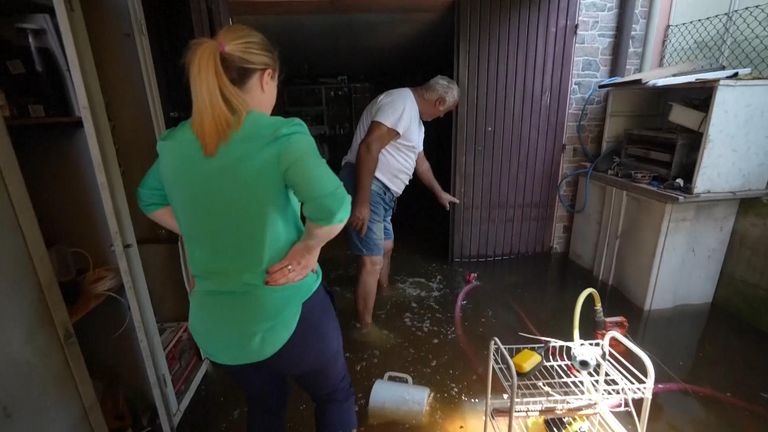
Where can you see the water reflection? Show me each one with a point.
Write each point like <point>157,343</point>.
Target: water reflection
<point>699,345</point>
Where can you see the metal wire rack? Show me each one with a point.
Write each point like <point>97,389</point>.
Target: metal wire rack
<point>566,396</point>
<point>600,421</point>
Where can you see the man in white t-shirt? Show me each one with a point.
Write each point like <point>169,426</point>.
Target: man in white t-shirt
<point>388,147</point>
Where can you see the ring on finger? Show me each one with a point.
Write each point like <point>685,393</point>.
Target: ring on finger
<point>290,269</point>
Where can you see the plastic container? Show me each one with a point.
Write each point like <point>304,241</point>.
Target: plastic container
<point>395,398</point>
<point>526,360</point>
<point>642,177</point>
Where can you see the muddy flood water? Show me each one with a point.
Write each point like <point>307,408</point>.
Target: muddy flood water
<point>703,346</point>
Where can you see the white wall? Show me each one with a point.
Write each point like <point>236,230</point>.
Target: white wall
<point>690,10</point>
<point>747,3</point>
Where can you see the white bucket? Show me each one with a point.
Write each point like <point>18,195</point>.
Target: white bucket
<point>396,399</point>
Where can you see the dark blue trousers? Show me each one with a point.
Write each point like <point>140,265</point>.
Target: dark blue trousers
<point>314,358</point>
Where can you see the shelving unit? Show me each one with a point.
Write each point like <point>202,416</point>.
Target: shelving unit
<point>728,144</point>
<point>327,109</point>
<point>556,392</point>
<point>330,110</point>
<point>70,180</point>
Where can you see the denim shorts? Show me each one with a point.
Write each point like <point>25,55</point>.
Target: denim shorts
<point>380,220</point>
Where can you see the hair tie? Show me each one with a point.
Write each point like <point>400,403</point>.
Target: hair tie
<point>222,47</point>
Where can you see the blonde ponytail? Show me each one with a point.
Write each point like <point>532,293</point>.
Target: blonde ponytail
<point>218,68</point>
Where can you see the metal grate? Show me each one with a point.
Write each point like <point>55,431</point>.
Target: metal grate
<point>555,385</point>
<point>735,40</point>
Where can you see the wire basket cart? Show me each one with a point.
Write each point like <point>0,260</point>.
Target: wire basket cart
<point>563,398</point>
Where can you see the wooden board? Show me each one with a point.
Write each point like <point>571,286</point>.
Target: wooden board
<point>308,7</point>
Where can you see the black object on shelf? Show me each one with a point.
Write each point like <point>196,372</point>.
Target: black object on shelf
<point>34,75</point>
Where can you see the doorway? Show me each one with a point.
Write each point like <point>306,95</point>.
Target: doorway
<point>499,154</point>
<point>335,62</point>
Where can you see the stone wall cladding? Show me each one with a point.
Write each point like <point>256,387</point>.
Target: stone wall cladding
<point>596,34</point>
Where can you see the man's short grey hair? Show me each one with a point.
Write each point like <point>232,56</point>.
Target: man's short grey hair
<point>442,86</point>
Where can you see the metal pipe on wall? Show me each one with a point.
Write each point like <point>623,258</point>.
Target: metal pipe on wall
<point>623,35</point>
<point>650,35</point>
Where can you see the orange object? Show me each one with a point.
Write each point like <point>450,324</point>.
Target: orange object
<point>618,324</point>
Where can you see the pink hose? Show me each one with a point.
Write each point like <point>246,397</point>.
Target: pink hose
<point>463,342</point>
<point>471,279</point>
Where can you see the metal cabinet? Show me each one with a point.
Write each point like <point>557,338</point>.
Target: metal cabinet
<point>41,361</point>
<point>62,182</point>
<point>661,250</point>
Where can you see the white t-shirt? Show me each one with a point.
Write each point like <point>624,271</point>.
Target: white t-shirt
<point>396,109</point>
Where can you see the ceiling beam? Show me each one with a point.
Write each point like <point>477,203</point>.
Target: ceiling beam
<point>311,7</point>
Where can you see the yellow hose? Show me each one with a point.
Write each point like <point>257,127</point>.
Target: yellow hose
<point>579,304</point>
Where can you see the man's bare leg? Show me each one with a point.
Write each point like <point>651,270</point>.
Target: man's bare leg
<point>384,286</point>
<point>365,292</point>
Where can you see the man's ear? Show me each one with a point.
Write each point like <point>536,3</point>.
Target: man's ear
<point>441,103</point>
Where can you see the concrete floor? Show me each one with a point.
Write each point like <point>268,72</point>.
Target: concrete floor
<point>698,345</point>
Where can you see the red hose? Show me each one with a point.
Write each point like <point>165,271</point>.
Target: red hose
<point>463,342</point>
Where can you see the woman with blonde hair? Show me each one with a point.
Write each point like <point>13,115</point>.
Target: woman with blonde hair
<point>231,181</point>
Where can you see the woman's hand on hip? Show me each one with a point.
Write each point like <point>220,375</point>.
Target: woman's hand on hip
<point>296,265</point>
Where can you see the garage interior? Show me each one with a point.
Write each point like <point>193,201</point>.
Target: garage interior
<point>334,61</point>
<point>123,359</point>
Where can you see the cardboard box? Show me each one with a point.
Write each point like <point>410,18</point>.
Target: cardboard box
<point>687,117</point>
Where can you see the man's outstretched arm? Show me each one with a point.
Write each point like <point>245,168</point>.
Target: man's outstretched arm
<point>425,174</point>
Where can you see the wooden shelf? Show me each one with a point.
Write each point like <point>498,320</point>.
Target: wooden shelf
<point>37,121</point>
<point>671,196</point>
